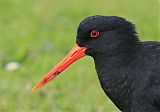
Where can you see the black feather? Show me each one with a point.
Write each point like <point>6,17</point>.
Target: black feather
<point>128,69</point>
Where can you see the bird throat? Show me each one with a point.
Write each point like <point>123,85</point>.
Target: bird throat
<point>116,79</point>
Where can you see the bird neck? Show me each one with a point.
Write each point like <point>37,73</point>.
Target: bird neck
<point>114,72</point>
<point>119,55</point>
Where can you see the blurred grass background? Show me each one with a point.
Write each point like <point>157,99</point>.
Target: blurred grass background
<point>37,34</point>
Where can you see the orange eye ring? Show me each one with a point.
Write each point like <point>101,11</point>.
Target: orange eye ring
<point>94,34</point>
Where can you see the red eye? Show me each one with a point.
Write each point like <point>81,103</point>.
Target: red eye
<point>94,34</point>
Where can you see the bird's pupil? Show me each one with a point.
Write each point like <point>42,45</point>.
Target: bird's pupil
<point>94,33</point>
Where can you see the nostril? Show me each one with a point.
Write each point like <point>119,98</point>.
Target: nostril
<point>73,53</point>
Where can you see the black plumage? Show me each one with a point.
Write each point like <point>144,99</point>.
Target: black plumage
<point>128,69</point>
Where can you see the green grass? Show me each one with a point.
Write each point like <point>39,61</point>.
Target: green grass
<point>39,33</point>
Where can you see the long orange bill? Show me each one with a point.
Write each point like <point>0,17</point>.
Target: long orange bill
<point>75,54</point>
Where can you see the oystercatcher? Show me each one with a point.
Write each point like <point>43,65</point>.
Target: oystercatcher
<point>128,69</point>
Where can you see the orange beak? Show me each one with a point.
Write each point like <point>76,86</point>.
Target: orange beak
<point>75,54</point>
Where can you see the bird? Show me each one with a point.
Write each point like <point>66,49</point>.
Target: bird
<point>128,69</point>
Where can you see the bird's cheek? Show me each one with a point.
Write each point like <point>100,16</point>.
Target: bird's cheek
<point>80,43</point>
<point>89,52</point>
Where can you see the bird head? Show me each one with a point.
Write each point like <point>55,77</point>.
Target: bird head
<point>102,34</point>
<point>95,35</point>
